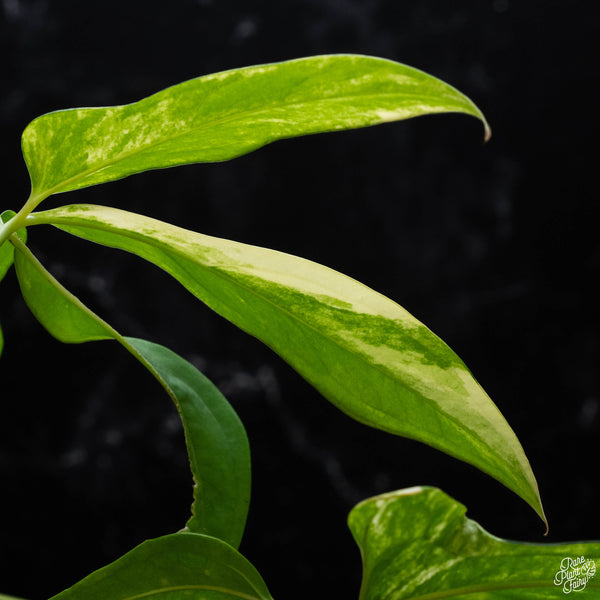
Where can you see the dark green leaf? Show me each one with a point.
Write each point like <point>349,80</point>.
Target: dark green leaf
<point>417,544</point>
<point>182,566</point>
<point>364,352</point>
<point>216,440</point>
<point>224,115</point>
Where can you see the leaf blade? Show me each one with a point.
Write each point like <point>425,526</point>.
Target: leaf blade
<point>221,116</point>
<point>219,454</point>
<point>7,254</point>
<point>215,438</point>
<point>362,351</point>
<point>417,543</point>
<point>174,567</point>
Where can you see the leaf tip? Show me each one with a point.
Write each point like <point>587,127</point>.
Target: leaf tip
<point>542,515</point>
<point>487,135</point>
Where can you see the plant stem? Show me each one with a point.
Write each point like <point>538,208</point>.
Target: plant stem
<point>18,221</point>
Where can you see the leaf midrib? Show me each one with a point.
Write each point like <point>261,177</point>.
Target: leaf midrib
<point>186,587</point>
<point>160,245</point>
<point>475,589</point>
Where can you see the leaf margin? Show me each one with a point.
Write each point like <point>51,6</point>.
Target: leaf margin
<point>87,220</point>
<point>227,517</point>
<point>454,542</point>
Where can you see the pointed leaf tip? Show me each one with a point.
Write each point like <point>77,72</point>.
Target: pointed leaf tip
<point>225,115</point>
<point>362,351</point>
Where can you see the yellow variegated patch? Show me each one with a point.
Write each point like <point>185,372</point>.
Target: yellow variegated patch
<point>361,350</point>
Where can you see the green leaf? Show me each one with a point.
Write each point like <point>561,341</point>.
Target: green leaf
<point>6,249</point>
<point>6,259</point>
<point>225,115</point>
<point>216,440</point>
<point>5,597</point>
<point>417,544</point>
<point>181,566</point>
<point>364,352</point>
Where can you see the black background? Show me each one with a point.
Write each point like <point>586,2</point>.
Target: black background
<point>493,246</point>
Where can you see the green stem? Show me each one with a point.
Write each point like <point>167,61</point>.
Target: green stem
<point>18,221</point>
<point>5,232</point>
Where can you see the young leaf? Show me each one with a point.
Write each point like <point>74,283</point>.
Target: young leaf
<point>417,544</point>
<point>361,350</point>
<point>181,566</point>
<point>216,440</point>
<point>225,115</point>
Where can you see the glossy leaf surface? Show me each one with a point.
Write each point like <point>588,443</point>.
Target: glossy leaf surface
<point>224,115</point>
<point>182,566</point>
<point>364,352</point>
<point>216,440</point>
<point>217,445</point>
<point>417,544</point>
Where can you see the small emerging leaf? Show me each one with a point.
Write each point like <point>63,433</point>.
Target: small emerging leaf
<point>182,566</point>
<point>362,351</point>
<point>216,440</point>
<point>225,115</point>
<point>417,544</point>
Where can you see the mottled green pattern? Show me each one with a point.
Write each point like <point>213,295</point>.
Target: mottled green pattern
<point>182,566</point>
<point>417,544</point>
<point>364,352</point>
<point>216,441</point>
<point>224,115</point>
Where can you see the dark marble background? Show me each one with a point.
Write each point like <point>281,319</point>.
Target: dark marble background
<point>494,247</point>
